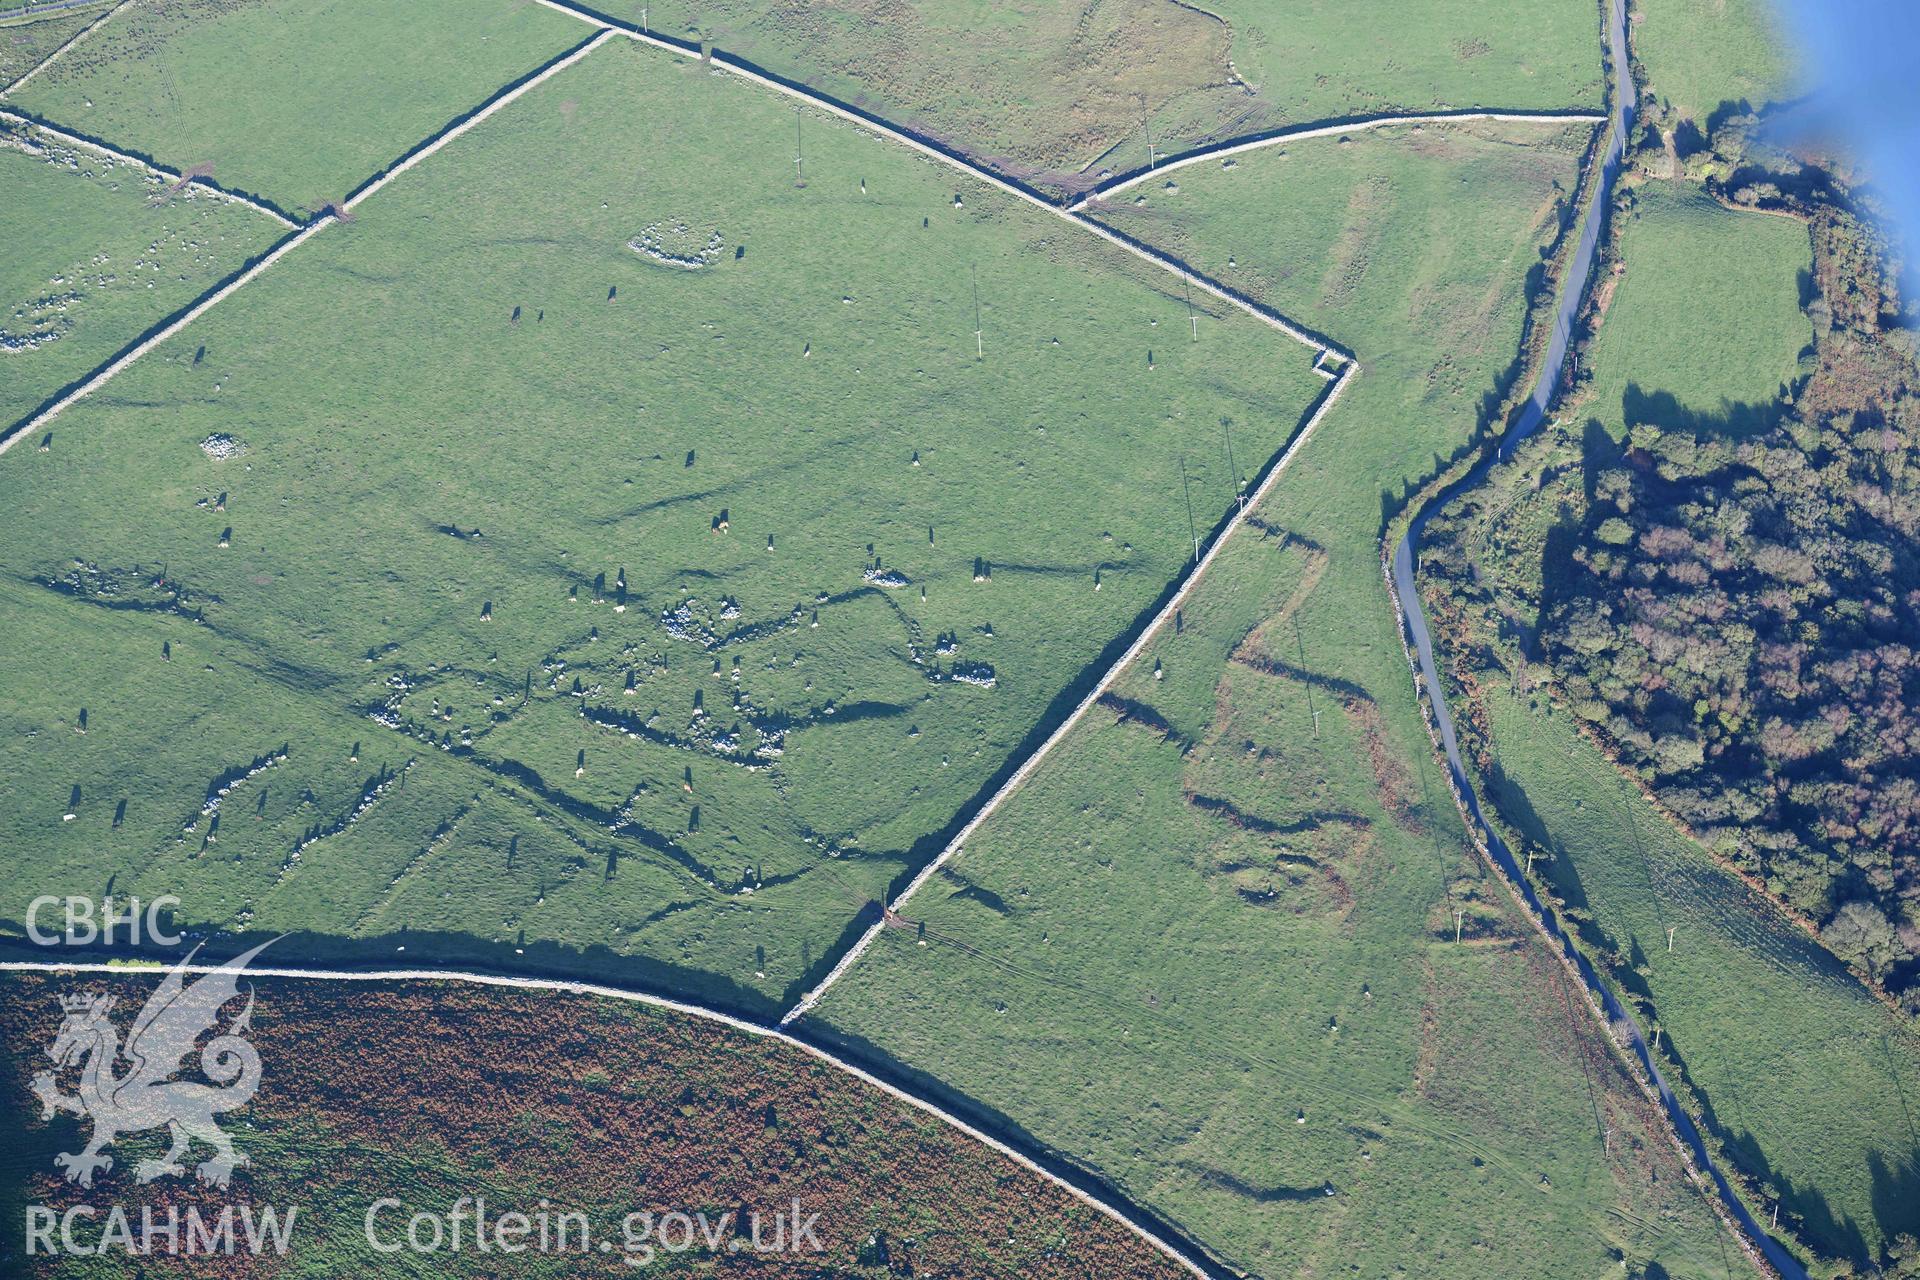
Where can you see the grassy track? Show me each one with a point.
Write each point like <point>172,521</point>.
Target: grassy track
<point>502,452</point>
<point>298,103</point>
<point>1230,981</point>
<point>97,253</point>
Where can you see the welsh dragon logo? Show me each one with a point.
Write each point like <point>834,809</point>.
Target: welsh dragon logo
<point>144,1095</point>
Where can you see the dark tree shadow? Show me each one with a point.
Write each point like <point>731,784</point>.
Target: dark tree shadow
<point>1732,420</point>
<point>1896,1193</point>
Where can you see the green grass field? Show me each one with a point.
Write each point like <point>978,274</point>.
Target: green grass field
<point>1656,358</point>
<point>1383,239</point>
<point>297,103</point>
<point>1326,60</point>
<point>1209,949</point>
<point>26,42</point>
<point>1701,54</point>
<point>1806,1078</point>
<point>97,253</point>
<point>1222,972</point>
<point>1037,90</point>
<point>1810,1078</point>
<point>623,547</point>
<point>1056,95</point>
<point>705,597</point>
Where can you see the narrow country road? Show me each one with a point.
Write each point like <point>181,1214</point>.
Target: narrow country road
<point>1408,599</point>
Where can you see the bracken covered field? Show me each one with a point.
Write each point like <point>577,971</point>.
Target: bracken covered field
<point>1059,94</point>
<point>428,1092</point>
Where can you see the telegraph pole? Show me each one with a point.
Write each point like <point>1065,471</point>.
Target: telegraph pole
<point>1226,424</point>
<point>979,344</point>
<point>1192,529</point>
<point>1305,681</point>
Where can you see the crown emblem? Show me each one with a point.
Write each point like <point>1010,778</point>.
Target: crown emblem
<point>145,1095</point>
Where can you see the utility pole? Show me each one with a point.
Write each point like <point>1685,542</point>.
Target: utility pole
<point>1670,932</point>
<point>1459,919</point>
<point>1529,863</point>
<point>1306,683</point>
<point>643,20</point>
<point>799,162</point>
<point>979,344</point>
<point>1226,424</point>
<point>1192,529</point>
<point>1186,282</point>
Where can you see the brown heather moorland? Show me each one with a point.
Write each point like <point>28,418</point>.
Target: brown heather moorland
<point>430,1091</point>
